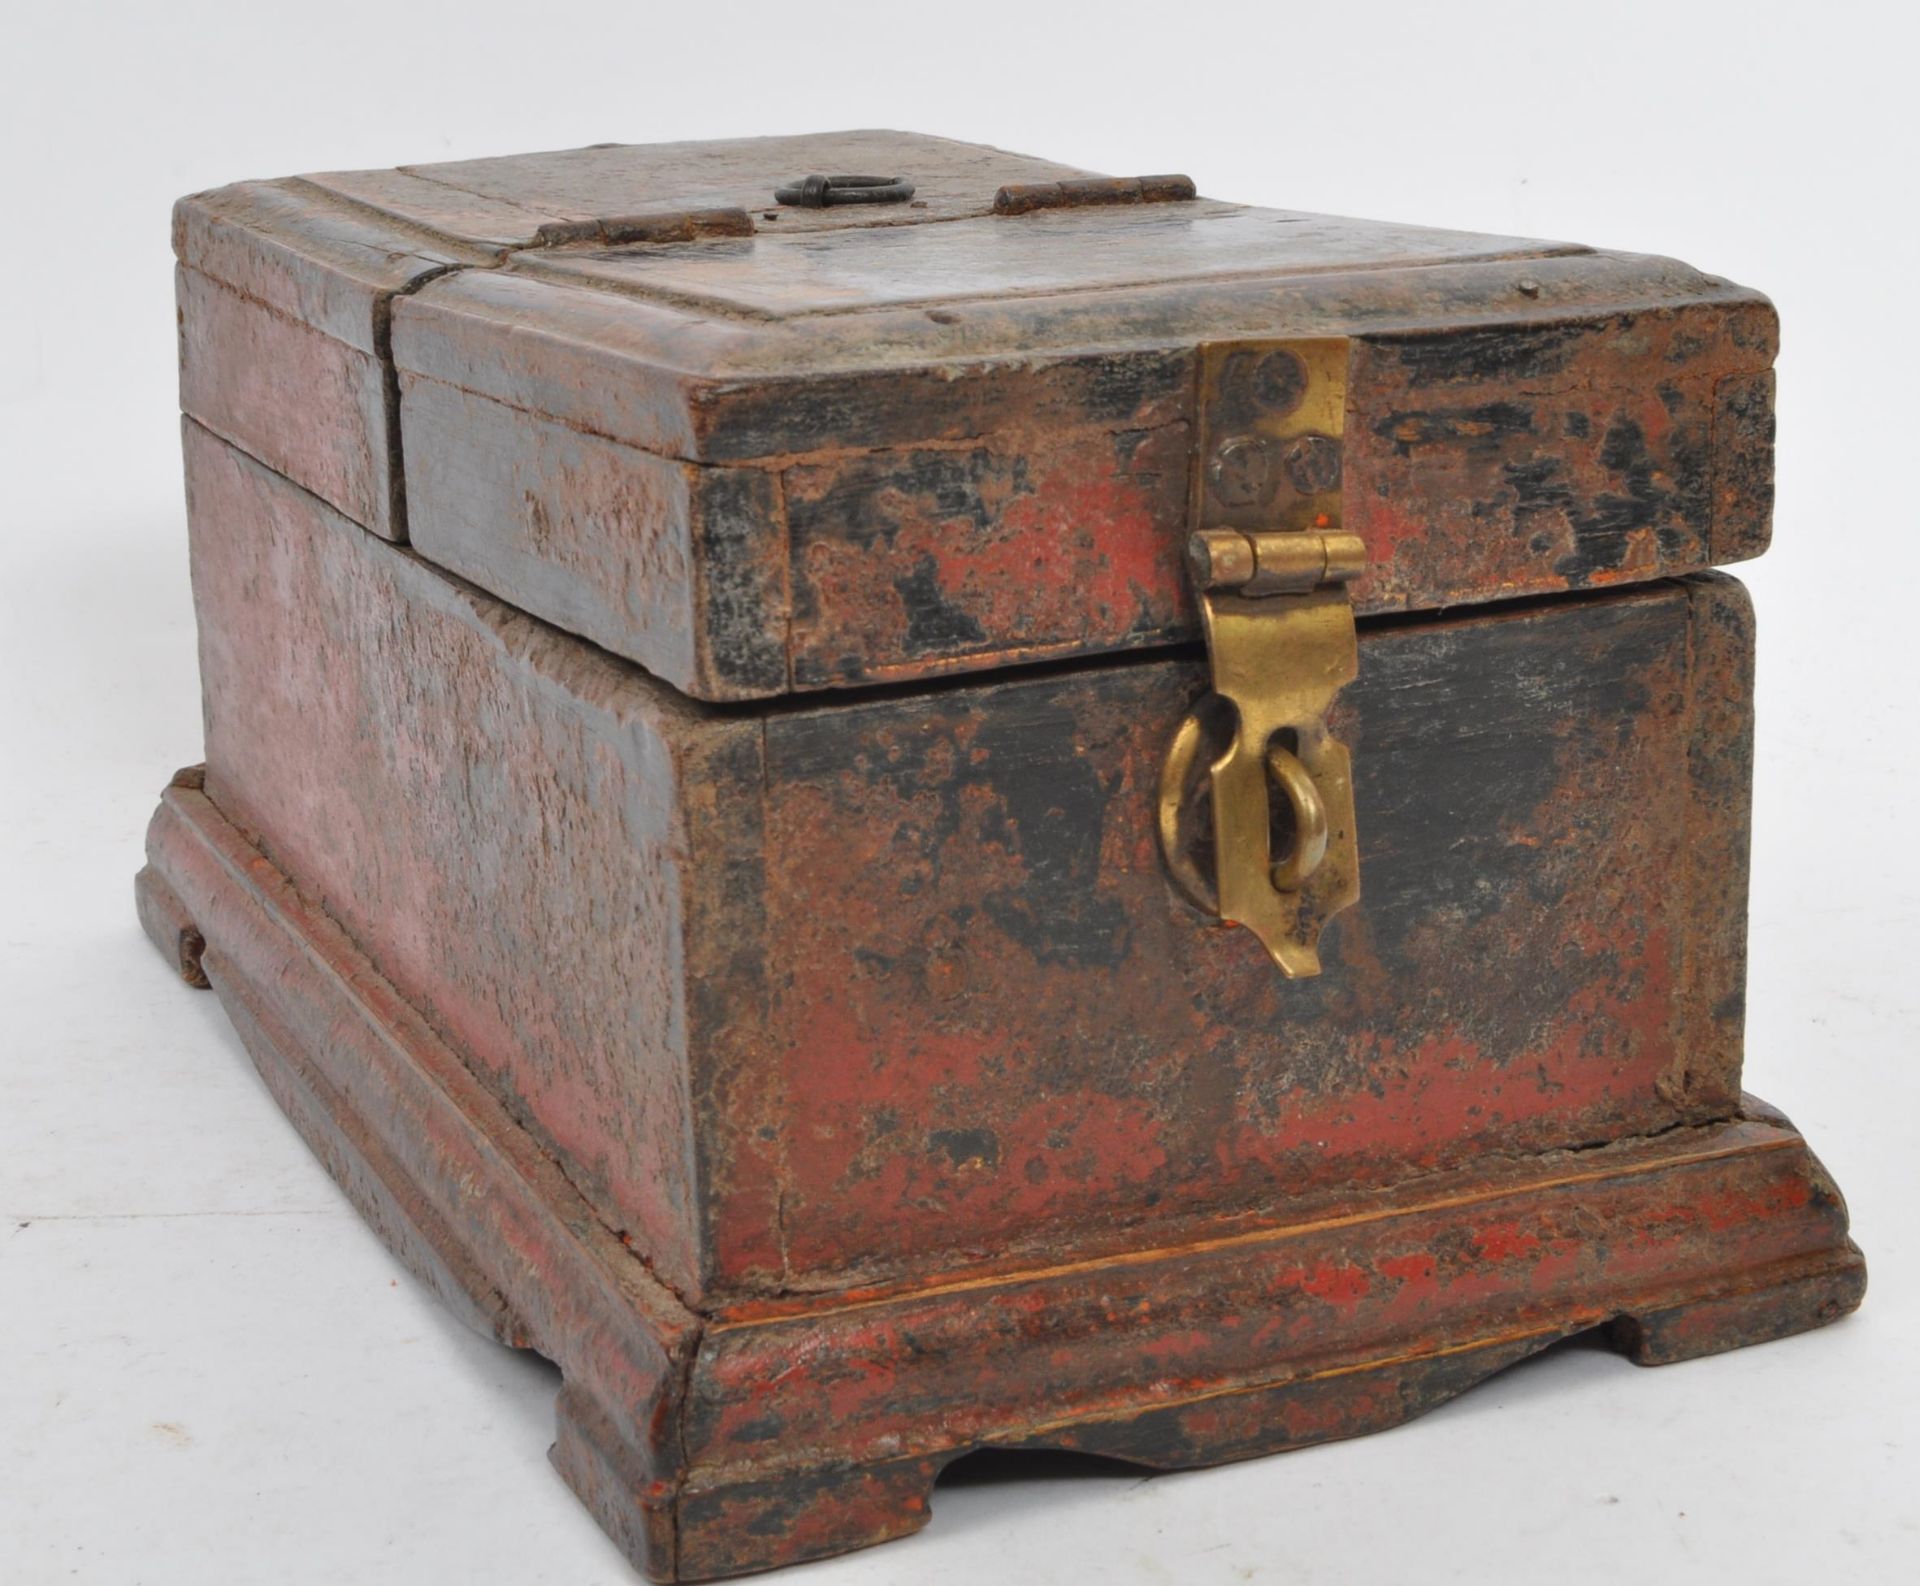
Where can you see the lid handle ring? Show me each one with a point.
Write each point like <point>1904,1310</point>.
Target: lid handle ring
<point>820,192</point>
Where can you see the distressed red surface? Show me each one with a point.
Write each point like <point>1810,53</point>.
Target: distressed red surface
<point>868,989</point>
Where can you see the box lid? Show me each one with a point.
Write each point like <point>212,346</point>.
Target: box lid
<point>761,449</point>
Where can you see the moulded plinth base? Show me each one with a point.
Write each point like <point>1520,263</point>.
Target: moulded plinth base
<point>767,1433</point>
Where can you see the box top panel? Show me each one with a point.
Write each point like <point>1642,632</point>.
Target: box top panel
<point>530,200</point>
<point>762,449</point>
<point>1099,248</point>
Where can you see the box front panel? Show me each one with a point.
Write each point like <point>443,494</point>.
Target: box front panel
<point>993,1026</point>
<point>962,514</point>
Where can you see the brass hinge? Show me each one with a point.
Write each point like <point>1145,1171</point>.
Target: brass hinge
<point>1270,562</point>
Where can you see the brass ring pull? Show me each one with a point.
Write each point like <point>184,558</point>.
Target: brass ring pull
<point>822,192</point>
<point>1285,772</point>
<point>1309,820</point>
<point>1176,771</point>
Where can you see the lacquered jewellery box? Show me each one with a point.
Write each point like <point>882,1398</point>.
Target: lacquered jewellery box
<point>893,798</point>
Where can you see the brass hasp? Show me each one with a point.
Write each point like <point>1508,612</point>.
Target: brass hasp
<point>1270,564</point>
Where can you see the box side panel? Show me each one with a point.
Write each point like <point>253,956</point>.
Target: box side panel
<point>678,566</point>
<point>489,809</point>
<point>1743,466</point>
<point>285,295</point>
<point>1710,1022</point>
<point>994,1027</point>
<point>309,406</point>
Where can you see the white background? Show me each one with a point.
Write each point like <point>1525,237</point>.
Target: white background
<point>209,1372</point>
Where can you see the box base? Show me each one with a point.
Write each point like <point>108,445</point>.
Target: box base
<point>767,1433</point>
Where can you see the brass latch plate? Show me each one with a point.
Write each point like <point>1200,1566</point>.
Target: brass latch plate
<point>1270,562</point>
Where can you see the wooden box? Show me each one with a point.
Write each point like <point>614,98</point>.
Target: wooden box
<point>795,804</point>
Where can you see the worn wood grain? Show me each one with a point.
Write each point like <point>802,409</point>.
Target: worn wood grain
<point>495,813</point>
<point>312,407</point>
<point>628,549</point>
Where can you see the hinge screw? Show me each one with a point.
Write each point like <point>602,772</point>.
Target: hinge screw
<point>1241,471</point>
<point>1313,464</point>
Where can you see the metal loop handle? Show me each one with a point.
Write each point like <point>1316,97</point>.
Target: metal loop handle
<point>1309,820</point>
<point>1176,771</point>
<point>820,192</point>
<point>1285,771</point>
